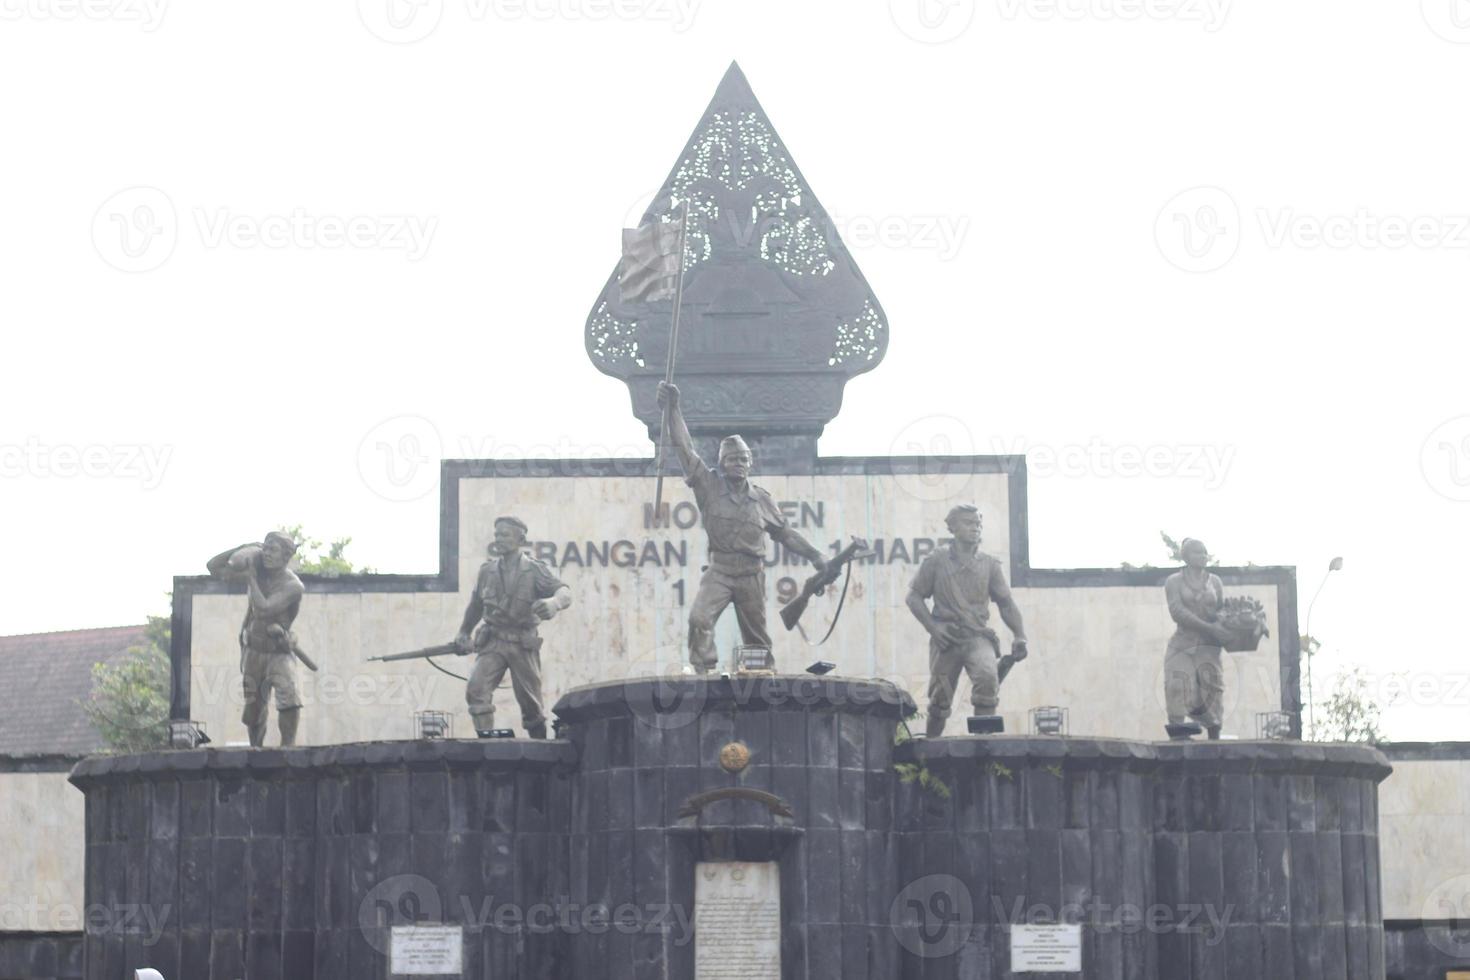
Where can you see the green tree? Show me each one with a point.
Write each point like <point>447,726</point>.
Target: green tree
<point>1351,713</point>
<point>129,701</point>
<point>313,561</point>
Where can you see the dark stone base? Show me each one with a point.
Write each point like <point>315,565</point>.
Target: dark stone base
<point>576,857</point>
<point>41,955</point>
<point>1418,950</point>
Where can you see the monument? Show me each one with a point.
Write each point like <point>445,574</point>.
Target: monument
<point>717,825</point>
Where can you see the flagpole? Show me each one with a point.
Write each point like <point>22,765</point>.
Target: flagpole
<point>663,436</point>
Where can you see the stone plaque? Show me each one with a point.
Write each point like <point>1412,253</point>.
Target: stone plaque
<point>1046,949</point>
<point>426,951</point>
<point>737,921</point>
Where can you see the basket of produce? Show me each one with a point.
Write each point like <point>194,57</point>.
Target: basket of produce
<point>1245,618</point>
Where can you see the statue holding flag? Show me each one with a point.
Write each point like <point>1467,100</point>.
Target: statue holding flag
<point>737,515</point>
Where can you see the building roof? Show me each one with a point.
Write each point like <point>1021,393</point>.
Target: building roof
<point>47,678</point>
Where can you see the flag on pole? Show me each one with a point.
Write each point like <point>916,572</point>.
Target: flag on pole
<point>649,271</point>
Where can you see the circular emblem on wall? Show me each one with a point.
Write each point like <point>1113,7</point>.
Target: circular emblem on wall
<point>734,757</point>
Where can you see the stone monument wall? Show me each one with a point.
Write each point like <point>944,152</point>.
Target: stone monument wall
<point>589,855</point>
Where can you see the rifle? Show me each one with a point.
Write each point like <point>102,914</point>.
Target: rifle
<point>301,654</point>
<point>817,583</point>
<point>442,650</point>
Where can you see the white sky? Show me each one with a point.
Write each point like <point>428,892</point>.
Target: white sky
<point>1028,173</point>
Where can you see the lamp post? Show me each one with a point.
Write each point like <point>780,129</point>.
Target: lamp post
<point>1332,566</point>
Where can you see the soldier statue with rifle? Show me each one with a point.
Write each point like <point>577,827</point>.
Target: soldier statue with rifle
<point>267,645</point>
<point>513,595</point>
<point>737,515</point>
<point>962,580</point>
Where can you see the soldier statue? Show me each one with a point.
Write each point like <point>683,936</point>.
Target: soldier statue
<point>737,515</point>
<point>962,580</point>
<point>513,595</point>
<point>1194,682</point>
<point>266,658</point>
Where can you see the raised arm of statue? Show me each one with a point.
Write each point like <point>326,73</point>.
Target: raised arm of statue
<point>668,395</point>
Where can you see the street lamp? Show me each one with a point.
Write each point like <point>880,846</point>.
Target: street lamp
<point>1332,566</point>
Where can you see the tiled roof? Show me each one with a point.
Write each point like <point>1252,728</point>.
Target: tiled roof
<point>47,676</point>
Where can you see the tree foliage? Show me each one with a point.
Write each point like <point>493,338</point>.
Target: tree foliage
<point>1351,713</point>
<point>129,701</point>
<point>332,562</point>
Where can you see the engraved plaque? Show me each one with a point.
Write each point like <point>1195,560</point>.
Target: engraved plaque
<point>1046,949</point>
<point>737,921</point>
<point>426,951</point>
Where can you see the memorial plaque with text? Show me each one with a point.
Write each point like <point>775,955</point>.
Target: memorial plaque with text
<point>426,951</point>
<point>737,921</point>
<point>1046,949</point>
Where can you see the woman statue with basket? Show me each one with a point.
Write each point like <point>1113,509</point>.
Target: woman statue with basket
<point>1194,681</point>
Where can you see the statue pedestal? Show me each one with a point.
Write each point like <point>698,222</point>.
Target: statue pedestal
<point>579,856</point>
